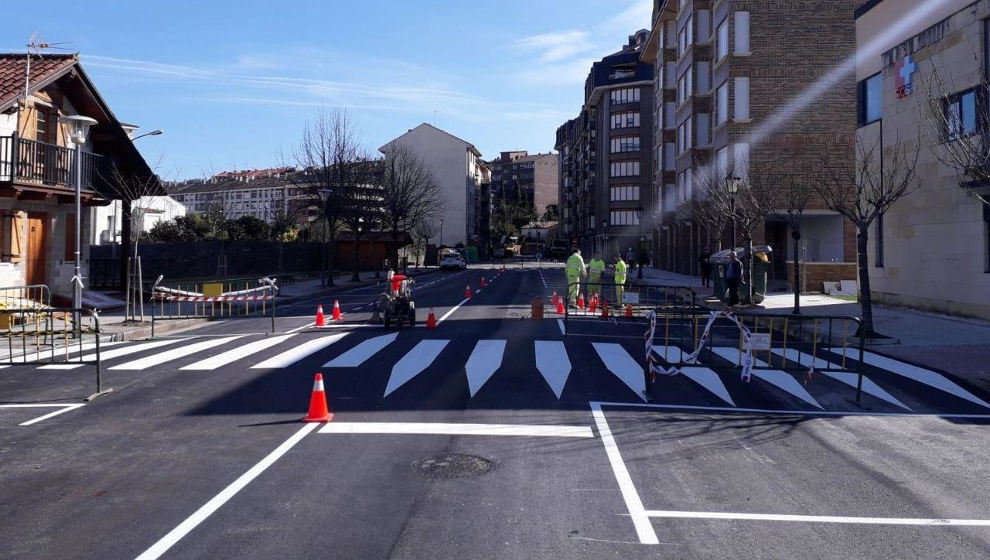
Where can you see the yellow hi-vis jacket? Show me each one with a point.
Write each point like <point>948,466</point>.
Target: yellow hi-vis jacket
<point>575,266</point>
<point>620,272</point>
<point>596,267</point>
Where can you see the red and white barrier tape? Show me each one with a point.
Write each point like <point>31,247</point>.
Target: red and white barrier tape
<point>200,299</point>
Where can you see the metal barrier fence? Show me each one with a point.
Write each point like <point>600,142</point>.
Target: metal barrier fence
<point>213,300</point>
<point>628,300</point>
<point>51,336</point>
<point>676,338</point>
<point>35,296</point>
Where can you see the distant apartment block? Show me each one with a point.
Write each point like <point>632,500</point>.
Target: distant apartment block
<point>520,175</point>
<point>262,193</point>
<point>605,158</point>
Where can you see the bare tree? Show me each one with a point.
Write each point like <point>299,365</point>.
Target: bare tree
<point>863,192</point>
<point>422,232</point>
<point>758,196</point>
<point>958,125</point>
<point>410,193</point>
<point>794,192</point>
<point>329,155</point>
<point>710,207</point>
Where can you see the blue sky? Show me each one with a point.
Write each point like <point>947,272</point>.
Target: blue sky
<point>233,83</point>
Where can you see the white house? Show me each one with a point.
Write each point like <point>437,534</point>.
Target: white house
<point>459,171</point>
<point>147,212</point>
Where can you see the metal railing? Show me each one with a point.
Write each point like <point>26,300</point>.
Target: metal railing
<point>34,296</point>
<point>632,298</point>
<point>51,336</point>
<point>213,300</point>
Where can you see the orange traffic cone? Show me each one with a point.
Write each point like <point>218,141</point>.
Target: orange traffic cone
<point>318,411</point>
<point>593,304</point>
<point>580,302</point>
<point>320,321</point>
<point>484,284</point>
<point>431,320</point>
<point>336,311</point>
<point>629,311</point>
<point>560,306</point>
<point>467,292</point>
<point>555,297</point>
<point>604,309</point>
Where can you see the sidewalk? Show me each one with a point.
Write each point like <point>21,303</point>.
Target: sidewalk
<point>955,345</point>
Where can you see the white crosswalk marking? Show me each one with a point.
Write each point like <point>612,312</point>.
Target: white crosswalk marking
<point>414,362</point>
<point>779,379</point>
<point>173,354</point>
<point>709,380</point>
<point>357,355</point>
<point>117,353</point>
<point>671,354</point>
<point>238,353</point>
<point>869,387</point>
<point>623,366</point>
<point>59,353</point>
<point>921,375</point>
<point>804,359</point>
<point>483,363</point>
<point>553,364</point>
<point>289,357</point>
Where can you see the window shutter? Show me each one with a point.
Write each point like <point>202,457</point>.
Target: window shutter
<point>16,246</point>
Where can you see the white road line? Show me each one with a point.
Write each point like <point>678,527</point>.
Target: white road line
<point>804,359</point>
<point>58,353</point>
<point>778,378</point>
<point>357,355</point>
<point>484,361</point>
<point>553,364</point>
<point>644,529</point>
<point>869,387</point>
<point>293,355</point>
<point>191,522</point>
<point>119,352</point>
<point>238,353</point>
<point>933,522</point>
<point>921,375</point>
<point>297,329</point>
<point>173,354</point>
<point>63,408</point>
<point>709,380</point>
<point>413,363</point>
<point>452,309</point>
<point>675,407</point>
<point>438,428</point>
<point>670,354</point>
<point>623,366</point>
<point>560,325</point>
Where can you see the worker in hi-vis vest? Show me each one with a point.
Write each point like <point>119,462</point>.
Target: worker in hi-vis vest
<point>574,271</point>
<point>596,268</point>
<point>620,278</point>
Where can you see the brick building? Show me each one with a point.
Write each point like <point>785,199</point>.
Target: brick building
<point>723,70</point>
<point>605,157</point>
<point>531,177</point>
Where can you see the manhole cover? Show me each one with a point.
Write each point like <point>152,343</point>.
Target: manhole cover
<point>452,465</point>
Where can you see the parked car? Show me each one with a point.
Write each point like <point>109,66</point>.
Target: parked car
<point>451,258</point>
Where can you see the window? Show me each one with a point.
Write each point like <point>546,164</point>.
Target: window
<point>722,161</point>
<point>704,77</point>
<point>623,218</point>
<point>742,98</point>
<point>625,120</point>
<point>960,113</point>
<point>668,156</point>
<point>669,109</point>
<point>624,169</point>
<point>625,144</point>
<point>704,126</point>
<point>742,32</point>
<point>870,99</point>
<point>722,41</point>
<point>740,160</point>
<point>704,25</point>
<point>624,193</point>
<point>625,95</point>
<point>722,103</point>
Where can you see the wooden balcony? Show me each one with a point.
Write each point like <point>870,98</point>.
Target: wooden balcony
<point>31,166</point>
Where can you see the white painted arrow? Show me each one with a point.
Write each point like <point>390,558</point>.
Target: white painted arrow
<point>357,355</point>
<point>413,363</point>
<point>554,366</point>
<point>623,366</point>
<point>483,363</point>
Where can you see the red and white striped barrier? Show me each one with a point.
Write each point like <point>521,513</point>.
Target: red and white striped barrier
<point>200,299</point>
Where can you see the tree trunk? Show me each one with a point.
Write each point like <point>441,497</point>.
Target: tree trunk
<point>796,236</point>
<point>748,269</point>
<point>356,275</point>
<point>331,258</point>
<point>393,251</point>
<point>125,241</point>
<point>865,297</point>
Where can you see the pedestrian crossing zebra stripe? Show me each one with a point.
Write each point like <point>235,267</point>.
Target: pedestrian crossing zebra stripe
<point>173,354</point>
<point>413,363</point>
<point>238,353</point>
<point>357,355</point>
<point>289,357</point>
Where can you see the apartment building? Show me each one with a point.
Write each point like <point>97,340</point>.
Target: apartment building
<point>605,158</point>
<point>723,70</point>
<point>262,193</point>
<point>520,175</point>
<point>931,250</point>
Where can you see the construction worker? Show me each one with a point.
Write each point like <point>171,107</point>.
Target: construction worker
<point>596,267</point>
<point>574,270</point>
<point>620,277</point>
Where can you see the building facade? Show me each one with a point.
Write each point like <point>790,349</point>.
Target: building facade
<point>460,173</point>
<point>146,213</point>
<point>520,175</point>
<point>931,250</point>
<point>724,69</point>
<point>605,158</point>
<point>263,193</point>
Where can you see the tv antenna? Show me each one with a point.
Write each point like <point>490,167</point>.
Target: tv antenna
<point>36,45</point>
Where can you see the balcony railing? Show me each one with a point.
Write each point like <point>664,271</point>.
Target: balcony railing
<point>31,162</point>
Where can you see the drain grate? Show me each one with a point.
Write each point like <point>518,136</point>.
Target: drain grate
<point>452,465</point>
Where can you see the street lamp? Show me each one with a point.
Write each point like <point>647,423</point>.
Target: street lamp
<point>732,187</point>
<point>78,126</point>
<point>157,132</point>
<point>639,258</point>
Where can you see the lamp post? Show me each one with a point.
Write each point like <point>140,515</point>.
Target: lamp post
<point>157,132</point>
<point>639,257</point>
<point>78,126</point>
<point>732,187</point>
<point>605,232</point>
